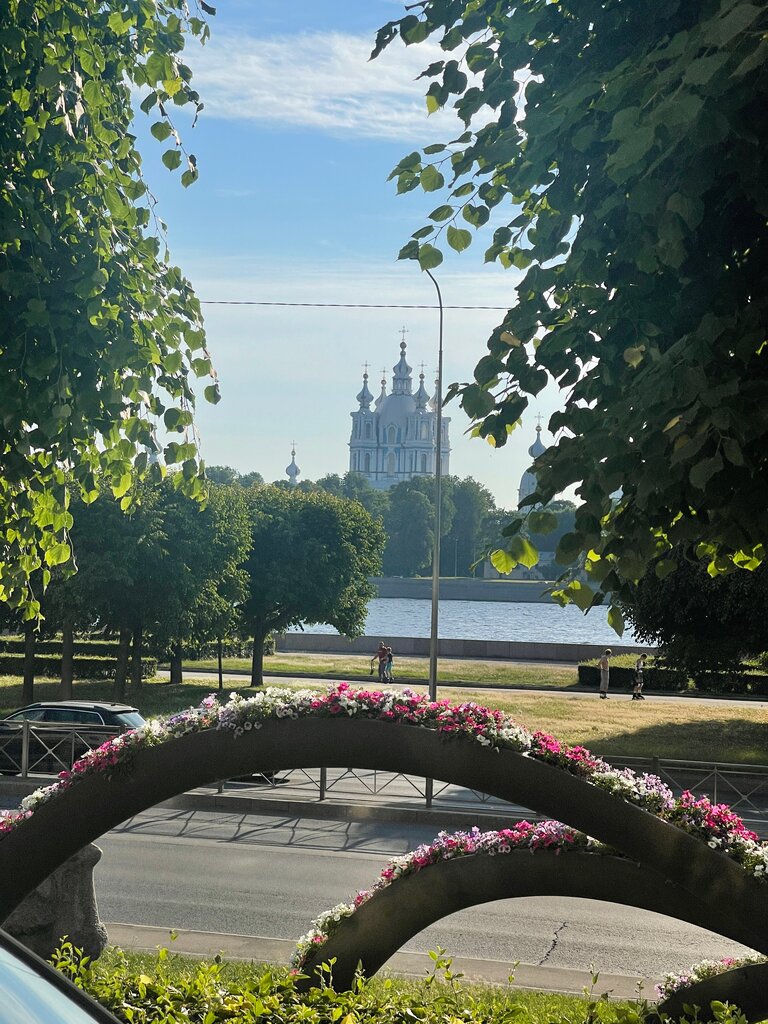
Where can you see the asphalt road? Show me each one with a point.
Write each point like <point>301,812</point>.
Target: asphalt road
<point>269,876</point>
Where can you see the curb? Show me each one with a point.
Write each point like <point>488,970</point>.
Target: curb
<point>258,948</point>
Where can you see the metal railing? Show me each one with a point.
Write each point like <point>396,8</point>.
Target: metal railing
<point>47,748</point>
<point>743,787</point>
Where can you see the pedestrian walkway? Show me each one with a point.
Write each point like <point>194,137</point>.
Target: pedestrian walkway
<point>241,677</point>
<point>405,964</point>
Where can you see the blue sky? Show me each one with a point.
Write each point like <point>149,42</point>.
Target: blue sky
<point>298,136</point>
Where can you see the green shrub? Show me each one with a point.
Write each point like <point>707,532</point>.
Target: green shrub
<point>89,648</point>
<point>49,666</point>
<point>623,675</point>
<point>167,989</point>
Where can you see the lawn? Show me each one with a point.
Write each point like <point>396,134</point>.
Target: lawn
<point>686,730</point>
<point>351,666</point>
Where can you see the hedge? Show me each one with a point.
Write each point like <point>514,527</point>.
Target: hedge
<point>674,680</point>
<point>88,648</point>
<point>49,666</point>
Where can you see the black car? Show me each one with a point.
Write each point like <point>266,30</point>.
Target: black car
<point>51,747</point>
<point>31,990</point>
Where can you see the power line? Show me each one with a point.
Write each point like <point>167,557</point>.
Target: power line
<point>335,305</point>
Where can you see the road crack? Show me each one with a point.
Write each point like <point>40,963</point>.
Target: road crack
<point>553,944</point>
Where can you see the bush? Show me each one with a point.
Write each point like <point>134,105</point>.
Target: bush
<point>229,649</point>
<point>623,675</point>
<point>166,989</point>
<point>89,648</point>
<point>49,666</point>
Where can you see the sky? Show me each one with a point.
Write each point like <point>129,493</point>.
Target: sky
<point>298,136</point>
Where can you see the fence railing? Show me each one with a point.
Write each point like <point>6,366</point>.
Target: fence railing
<point>47,748</point>
<point>32,748</point>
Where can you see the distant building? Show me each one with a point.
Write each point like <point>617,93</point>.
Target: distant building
<point>528,481</point>
<point>292,471</point>
<point>395,440</point>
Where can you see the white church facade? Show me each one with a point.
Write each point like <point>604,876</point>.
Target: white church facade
<point>394,438</point>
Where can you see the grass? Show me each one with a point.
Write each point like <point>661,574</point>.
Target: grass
<point>683,730</point>
<point>435,999</point>
<point>351,666</point>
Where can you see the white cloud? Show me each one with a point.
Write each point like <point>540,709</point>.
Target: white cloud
<point>323,81</point>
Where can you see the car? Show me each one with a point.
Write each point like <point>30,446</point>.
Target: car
<point>52,749</point>
<point>31,990</point>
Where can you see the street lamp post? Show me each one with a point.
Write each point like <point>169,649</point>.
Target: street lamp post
<point>438,501</point>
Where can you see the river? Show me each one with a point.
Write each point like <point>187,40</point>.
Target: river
<point>488,620</point>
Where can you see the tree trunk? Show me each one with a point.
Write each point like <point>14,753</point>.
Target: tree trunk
<point>257,662</point>
<point>136,652</point>
<point>175,663</point>
<point>121,670</point>
<point>28,684</point>
<point>67,659</point>
<point>221,672</point>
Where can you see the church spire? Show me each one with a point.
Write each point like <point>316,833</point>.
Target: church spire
<point>364,397</point>
<point>292,471</point>
<point>401,381</point>
<point>383,394</point>
<point>422,398</point>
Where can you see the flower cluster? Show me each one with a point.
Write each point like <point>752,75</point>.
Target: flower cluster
<point>715,824</point>
<point>319,932</point>
<point>544,835</point>
<point>705,969</point>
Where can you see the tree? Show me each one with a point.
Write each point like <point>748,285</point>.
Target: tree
<point>100,331</point>
<point>310,561</point>
<point>356,487</point>
<point>410,535</point>
<point>702,624</point>
<point>462,545</point>
<point>621,159</point>
<point>201,565</point>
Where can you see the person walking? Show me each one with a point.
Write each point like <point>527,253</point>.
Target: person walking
<point>637,689</point>
<point>381,657</point>
<point>605,669</point>
<point>390,662</point>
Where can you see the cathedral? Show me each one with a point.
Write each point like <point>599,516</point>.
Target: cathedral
<point>393,438</point>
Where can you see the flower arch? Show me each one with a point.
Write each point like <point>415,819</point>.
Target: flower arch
<point>702,849</point>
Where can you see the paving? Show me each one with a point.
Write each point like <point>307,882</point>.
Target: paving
<point>404,964</point>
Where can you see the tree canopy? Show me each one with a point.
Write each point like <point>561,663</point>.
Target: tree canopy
<point>100,331</point>
<point>702,624</point>
<point>619,157</point>
<point>310,561</point>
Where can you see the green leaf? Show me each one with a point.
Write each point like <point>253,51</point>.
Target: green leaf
<point>431,179</point>
<point>502,561</point>
<point>580,594</point>
<point>212,394</point>
<point>161,130</point>
<point>441,213</point>
<point>523,551</point>
<point>58,554</point>
<point>541,521</point>
<point>429,257</point>
<point>458,238</point>
<point>172,159</point>
<point>616,619</point>
<point>703,471</point>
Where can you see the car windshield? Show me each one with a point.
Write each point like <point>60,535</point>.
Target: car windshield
<point>29,998</point>
<point>130,719</point>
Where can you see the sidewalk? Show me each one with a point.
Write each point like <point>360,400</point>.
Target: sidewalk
<point>410,965</point>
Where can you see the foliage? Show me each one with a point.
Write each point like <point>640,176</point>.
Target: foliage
<point>166,988</point>
<point>228,475</point>
<point>620,160</point>
<point>100,330</point>
<point>409,524</point>
<point>702,624</point>
<point>310,560</point>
